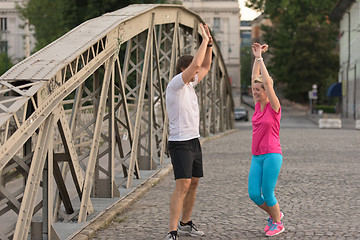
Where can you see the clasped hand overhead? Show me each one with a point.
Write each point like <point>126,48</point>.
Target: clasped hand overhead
<point>259,49</point>
<point>206,33</point>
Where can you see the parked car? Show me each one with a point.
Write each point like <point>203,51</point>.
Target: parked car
<point>241,114</point>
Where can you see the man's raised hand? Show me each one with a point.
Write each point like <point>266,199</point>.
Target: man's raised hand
<point>204,34</point>
<point>208,33</point>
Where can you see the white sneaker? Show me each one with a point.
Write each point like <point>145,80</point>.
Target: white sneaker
<point>170,236</point>
<point>190,229</point>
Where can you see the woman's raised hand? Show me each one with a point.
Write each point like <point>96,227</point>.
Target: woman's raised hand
<point>256,47</point>
<point>264,48</point>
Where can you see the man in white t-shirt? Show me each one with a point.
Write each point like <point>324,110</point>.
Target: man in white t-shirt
<point>184,146</point>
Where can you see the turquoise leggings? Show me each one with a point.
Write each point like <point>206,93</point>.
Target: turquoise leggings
<point>263,175</point>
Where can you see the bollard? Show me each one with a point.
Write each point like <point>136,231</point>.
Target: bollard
<point>357,124</point>
<point>329,123</point>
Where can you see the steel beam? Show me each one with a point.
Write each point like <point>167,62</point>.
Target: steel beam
<point>35,175</point>
<point>134,147</point>
<point>85,199</point>
<point>93,128</point>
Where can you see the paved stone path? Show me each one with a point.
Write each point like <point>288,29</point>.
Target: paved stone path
<point>318,189</point>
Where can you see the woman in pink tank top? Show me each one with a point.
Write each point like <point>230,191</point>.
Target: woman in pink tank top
<point>266,149</point>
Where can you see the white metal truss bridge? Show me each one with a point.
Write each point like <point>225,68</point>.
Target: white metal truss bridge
<point>83,116</point>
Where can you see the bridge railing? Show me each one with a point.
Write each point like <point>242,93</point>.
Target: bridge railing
<point>91,105</point>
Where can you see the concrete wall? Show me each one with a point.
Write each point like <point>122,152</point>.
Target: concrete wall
<point>349,73</point>
<point>228,35</point>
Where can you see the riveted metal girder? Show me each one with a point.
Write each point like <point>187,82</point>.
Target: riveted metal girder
<point>91,105</point>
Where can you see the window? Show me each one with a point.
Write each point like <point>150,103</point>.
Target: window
<point>245,38</point>
<point>245,23</point>
<point>216,26</point>
<point>3,24</point>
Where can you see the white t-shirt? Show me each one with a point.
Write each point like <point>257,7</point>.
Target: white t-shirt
<point>183,109</point>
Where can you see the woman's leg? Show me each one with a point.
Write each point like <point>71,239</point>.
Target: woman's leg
<point>275,212</point>
<point>255,180</point>
<point>272,166</point>
<point>265,207</point>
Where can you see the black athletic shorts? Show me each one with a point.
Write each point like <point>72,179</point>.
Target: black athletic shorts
<point>186,158</point>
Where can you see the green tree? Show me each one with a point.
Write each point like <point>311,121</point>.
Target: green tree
<point>245,67</point>
<point>302,41</point>
<point>5,63</point>
<point>46,17</point>
<point>53,18</point>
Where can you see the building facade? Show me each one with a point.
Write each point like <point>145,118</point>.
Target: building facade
<point>223,18</point>
<point>16,39</point>
<point>257,34</point>
<point>245,33</point>
<point>347,12</point>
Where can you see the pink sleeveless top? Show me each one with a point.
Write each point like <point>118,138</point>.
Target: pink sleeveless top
<point>266,130</point>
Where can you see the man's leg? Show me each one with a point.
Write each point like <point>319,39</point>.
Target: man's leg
<point>189,200</point>
<point>177,201</point>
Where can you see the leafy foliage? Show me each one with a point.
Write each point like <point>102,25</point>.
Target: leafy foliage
<point>245,66</point>
<point>5,63</point>
<point>46,17</point>
<point>53,18</point>
<point>302,41</point>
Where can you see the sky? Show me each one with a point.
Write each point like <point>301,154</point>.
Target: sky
<point>247,13</point>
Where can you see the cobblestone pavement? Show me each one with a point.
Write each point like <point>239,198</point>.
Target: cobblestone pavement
<point>318,189</point>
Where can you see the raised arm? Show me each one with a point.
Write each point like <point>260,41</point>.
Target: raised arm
<point>256,68</point>
<point>268,85</point>
<point>198,59</point>
<point>257,51</point>
<point>205,66</point>
<point>254,75</point>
